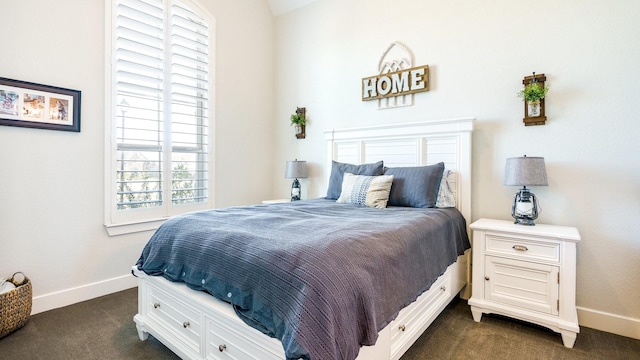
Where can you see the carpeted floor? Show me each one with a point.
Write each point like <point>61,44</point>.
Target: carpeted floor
<point>103,329</point>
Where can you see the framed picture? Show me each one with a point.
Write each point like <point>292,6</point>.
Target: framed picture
<point>39,106</point>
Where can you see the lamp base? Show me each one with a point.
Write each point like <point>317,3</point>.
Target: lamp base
<point>524,221</point>
<point>525,207</point>
<point>295,190</point>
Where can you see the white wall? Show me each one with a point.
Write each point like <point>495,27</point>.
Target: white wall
<point>52,182</point>
<point>478,53</point>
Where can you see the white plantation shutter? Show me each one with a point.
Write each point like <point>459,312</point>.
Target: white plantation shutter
<point>189,105</point>
<point>139,94</point>
<point>161,92</point>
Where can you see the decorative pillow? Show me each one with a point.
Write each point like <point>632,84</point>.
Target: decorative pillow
<point>339,169</point>
<point>446,194</point>
<point>415,186</point>
<point>370,191</point>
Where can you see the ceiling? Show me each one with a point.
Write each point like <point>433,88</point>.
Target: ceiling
<point>279,7</point>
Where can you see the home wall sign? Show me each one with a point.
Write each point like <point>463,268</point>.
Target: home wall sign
<point>397,80</point>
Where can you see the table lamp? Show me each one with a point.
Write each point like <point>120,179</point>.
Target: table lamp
<point>525,171</point>
<point>295,169</point>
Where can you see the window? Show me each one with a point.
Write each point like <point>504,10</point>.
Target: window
<point>160,105</point>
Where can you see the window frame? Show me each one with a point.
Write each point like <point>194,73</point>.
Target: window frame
<point>119,222</point>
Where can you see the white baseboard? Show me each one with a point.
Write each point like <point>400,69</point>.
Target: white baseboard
<point>612,323</point>
<point>78,294</point>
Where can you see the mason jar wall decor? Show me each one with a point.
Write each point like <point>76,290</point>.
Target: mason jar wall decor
<point>533,109</point>
<point>533,95</point>
<point>299,122</point>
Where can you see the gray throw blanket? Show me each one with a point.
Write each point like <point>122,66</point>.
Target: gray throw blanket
<point>322,277</point>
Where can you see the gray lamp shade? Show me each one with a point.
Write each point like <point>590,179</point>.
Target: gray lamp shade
<point>525,171</point>
<point>295,170</point>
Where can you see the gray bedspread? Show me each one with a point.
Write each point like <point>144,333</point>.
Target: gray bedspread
<point>322,277</point>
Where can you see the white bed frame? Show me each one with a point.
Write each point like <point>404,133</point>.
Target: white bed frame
<point>196,325</point>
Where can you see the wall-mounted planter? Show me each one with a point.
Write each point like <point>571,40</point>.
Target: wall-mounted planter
<point>534,111</point>
<point>299,120</point>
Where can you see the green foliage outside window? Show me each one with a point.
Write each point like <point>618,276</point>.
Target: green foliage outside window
<point>142,188</point>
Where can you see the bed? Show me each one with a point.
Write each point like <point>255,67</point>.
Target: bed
<point>281,267</point>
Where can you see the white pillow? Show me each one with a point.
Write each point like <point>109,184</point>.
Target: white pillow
<point>6,287</point>
<point>361,190</point>
<point>446,193</point>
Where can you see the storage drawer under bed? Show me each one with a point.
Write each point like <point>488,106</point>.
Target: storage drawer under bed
<point>179,318</point>
<point>410,322</point>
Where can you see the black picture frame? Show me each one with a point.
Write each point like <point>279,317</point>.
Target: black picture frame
<point>38,106</point>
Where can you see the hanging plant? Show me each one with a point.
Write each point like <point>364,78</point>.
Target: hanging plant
<point>533,92</point>
<point>298,119</point>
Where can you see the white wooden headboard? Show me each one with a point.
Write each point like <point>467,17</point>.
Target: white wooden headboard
<point>410,144</point>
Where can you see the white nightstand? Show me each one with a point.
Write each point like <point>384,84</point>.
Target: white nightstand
<point>276,201</point>
<point>526,272</point>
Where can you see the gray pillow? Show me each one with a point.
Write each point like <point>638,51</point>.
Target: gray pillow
<point>415,186</point>
<point>339,169</point>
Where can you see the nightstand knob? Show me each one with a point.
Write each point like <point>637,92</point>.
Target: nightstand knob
<point>520,248</point>
<point>401,327</point>
<point>486,278</point>
<point>156,305</point>
<point>222,347</point>
<point>186,324</point>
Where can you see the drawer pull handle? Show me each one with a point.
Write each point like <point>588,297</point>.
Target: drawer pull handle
<point>401,327</point>
<point>222,347</point>
<point>443,288</point>
<point>186,324</point>
<point>156,305</point>
<point>486,278</point>
<point>520,248</point>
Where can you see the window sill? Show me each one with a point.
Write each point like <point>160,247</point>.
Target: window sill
<point>130,228</point>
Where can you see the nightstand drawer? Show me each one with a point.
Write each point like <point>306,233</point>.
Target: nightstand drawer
<point>522,248</point>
